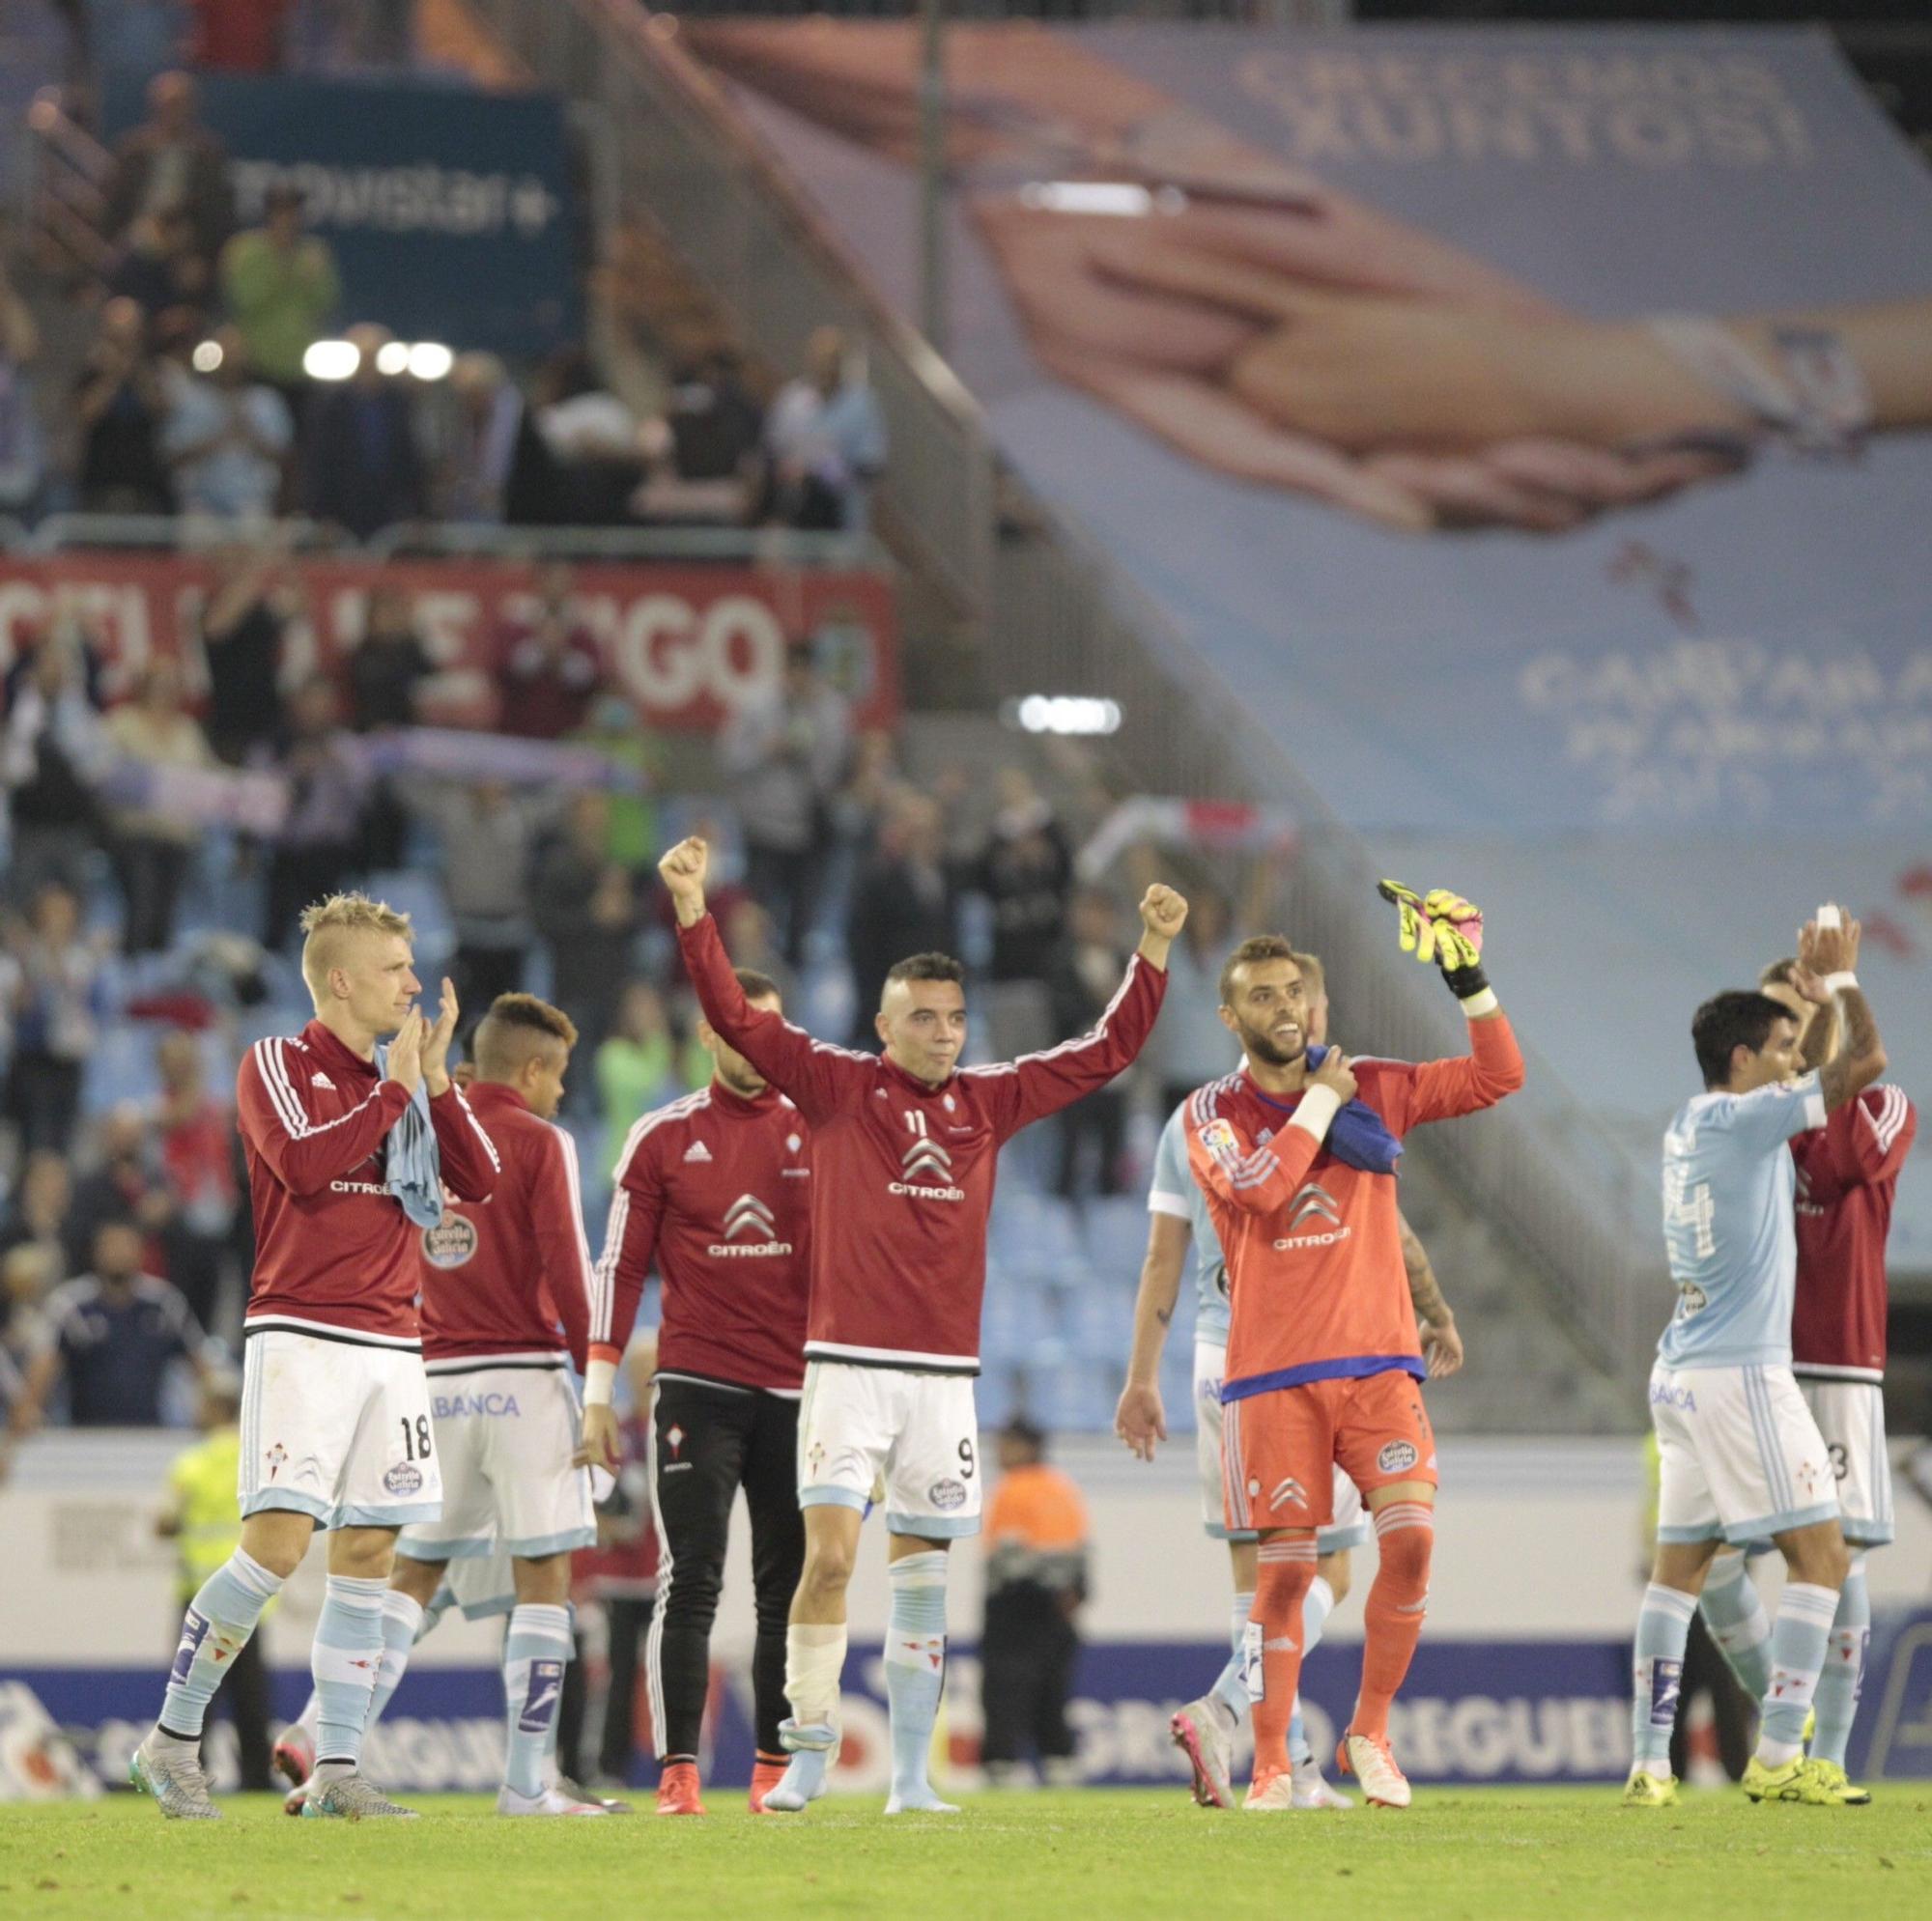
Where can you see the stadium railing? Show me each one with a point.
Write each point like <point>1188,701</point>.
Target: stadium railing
<point>1056,617</point>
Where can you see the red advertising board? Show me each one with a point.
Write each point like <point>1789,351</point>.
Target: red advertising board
<point>686,644</point>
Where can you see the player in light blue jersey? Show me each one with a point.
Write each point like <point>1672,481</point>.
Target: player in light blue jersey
<point>1740,1454</point>
<point>1205,1730</point>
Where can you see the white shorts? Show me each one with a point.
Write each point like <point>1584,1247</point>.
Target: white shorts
<point>1851,1417</point>
<point>912,1440</point>
<point>1740,1458</point>
<point>337,1429</point>
<point>1348,1530</point>
<point>505,1435</point>
<point>481,1585</point>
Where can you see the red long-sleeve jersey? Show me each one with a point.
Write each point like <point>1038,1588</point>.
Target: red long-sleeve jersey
<point>334,1253</point>
<point>903,1173</point>
<point>717,1190</point>
<point>1847,1179</point>
<point>1315,1271</point>
<point>508,1279</point>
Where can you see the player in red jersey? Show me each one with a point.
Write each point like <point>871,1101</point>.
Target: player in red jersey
<point>1297,1154</point>
<point>716,1187</point>
<point>1847,1180</point>
<point>349,1149</point>
<point>904,1146</point>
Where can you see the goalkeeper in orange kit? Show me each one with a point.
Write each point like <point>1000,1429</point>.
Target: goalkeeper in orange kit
<point>1297,1154</point>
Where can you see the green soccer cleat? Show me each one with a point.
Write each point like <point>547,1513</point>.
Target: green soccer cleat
<point>1808,1783</point>
<point>1650,1791</point>
<point>1844,1791</point>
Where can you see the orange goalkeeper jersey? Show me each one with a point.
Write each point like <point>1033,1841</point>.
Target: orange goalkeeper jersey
<point>1315,1270</point>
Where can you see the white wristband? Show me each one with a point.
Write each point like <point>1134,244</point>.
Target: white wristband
<point>1318,1106</point>
<point>600,1381</point>
<point>1479,1005</point>
<point>1839,984</point>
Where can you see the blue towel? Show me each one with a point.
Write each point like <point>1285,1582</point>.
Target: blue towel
<point>1356,1136</point>
<point>412,1168</point>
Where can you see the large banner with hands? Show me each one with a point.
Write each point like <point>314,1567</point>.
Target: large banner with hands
<point>1530,425</point>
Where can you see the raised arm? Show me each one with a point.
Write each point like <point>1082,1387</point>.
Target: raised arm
<point>1036,1084</point>
<point>306,1155</point>
<point>817,1076</point>
<point>1830,955</point>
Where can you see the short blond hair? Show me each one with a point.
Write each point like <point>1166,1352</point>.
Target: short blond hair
<point>328,924</point>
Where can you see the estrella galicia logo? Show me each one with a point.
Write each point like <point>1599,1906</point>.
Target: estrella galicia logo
<point>1396,1456</point>
<point>450,1243</point>
<point>946,1495</point>
<point>405,1478</point>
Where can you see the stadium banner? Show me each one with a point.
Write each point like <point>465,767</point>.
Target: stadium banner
<point>1491,1712</point>
<point>1530,424</point>
<point>686,644</point>
<point>450,211</point>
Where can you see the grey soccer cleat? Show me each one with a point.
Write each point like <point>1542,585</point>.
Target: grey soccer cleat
<point>171,1772</point>
<point>351,1798</point>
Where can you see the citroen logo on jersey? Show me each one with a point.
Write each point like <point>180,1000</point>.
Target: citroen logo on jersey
<point>750,1231</point>
<point>748,1215</point>
<point>1316,1200</point>
<point>925,1167</point>
<point>926,1157</point>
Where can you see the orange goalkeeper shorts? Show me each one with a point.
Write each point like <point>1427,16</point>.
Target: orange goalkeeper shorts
<point>1279,1448</point>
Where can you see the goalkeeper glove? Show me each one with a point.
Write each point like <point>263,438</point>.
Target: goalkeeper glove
<point>1443,928</point>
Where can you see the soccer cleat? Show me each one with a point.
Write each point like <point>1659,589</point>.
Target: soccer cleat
<point>1807,1783</point>
<point>1195,1729</point>
<point>811,1747</point>
<point>1650,1791</point>
<point>765,1776</point>
<point>351,1798</point>
<point>677,1789</point>
<point>552,1801</point>
<point>171,1772</point>
<point>293,1756</point>
<point>610,1803</point>
<point>1368,1758</point>
<point>1311,1791</point>
<point>1273,1793</point>
<point>1844,1791</point>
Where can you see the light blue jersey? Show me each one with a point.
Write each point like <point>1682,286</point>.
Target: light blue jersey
<point>1175,1191</point>
<point>1729,1186</point>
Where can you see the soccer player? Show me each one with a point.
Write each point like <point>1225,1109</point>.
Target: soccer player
<point>1204,1730</point>
<point>1740,1454</point>
<point>1847,1176</point>
<point>349,1149</point>
<point>505,1317</point>
<point>905,1149</point>
<point>716,1187</point>
<point>1296,1155</point>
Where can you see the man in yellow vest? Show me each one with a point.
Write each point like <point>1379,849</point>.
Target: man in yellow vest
<point>203,1519</point>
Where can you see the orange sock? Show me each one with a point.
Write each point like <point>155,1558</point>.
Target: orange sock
<point>1285,1575</point>
<point>1392,1618</point>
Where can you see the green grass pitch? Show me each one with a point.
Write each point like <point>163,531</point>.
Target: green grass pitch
<point>1555,1854</point>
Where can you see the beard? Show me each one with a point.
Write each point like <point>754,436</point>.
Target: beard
<point>1264,1046</point>
<point>744,1083</point>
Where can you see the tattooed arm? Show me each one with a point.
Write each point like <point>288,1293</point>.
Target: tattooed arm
<point>1435,1325</point>
<point>1140,1420</point>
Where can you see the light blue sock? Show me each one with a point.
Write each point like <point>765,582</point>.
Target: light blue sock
<point>215,1628</point>
<point>915,1669</point>
<point>345,1661</point>
<point>403,1625</point>
<point>1805,1616</point>
<point>535,1654</point>
<point>1316,1608</point>
<point>1838,1697</point>
<point>1738,1622</point>
<point>1231,1687</point>
<point>1663,1628</point>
